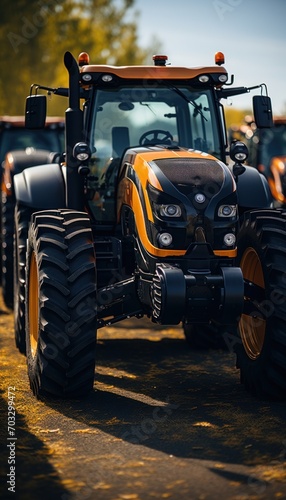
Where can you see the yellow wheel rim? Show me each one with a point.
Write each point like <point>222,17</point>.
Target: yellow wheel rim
<point>33,305</point>
<point>252,327</point>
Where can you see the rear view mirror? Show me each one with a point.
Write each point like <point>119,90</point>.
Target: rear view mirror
<point>35,112</point>
<point>262,110</point>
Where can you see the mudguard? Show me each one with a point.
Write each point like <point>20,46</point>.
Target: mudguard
<point>41,187</point>
<point>17,161</point>
<point>253,190</point>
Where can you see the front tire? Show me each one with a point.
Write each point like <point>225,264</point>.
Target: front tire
<point>61,304</point>
<point>261,348</point>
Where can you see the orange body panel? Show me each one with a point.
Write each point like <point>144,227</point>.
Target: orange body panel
<point>6,185</point>
<point>277,169</point>
<point>153,72</point>
<point>19,121</point>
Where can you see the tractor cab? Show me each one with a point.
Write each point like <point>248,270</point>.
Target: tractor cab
<point>136,115</point>
<point>130,107</point>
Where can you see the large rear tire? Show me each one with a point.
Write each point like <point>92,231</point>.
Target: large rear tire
<point>261,348</point>
<point>61,304</point>
<point>22,218</point>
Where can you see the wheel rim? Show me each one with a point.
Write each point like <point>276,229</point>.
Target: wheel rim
<point>33,309</point>
<point>252,327</point>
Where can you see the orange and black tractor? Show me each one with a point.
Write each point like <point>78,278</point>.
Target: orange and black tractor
<point>267,153</point>
<point>143,216</point>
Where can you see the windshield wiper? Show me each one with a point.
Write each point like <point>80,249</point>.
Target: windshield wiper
<point>180,93</point>
<point>148,106</point>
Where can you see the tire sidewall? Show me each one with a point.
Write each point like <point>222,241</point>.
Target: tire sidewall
<point>249,237</point>
<point>64,359</point>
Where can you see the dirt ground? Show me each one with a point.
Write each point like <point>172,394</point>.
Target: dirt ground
<point>162,423</point>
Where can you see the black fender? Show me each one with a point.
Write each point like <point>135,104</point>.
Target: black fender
<point>17,161</point>
<point>41,187</point>
<point>253,190</point>
<point>21,159</point>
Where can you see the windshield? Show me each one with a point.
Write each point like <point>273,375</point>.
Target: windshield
<point>173,116</point>
<point>142,116</point>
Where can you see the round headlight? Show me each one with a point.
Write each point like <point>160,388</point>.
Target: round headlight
<point>229,239</point>
<point>222,78</point>
<point>165,239</point>
<point>240,156</point>
<point>227,211</point>
<point>204,78</point>
<point>238,151</point>
<point>86,77</point>
<point>170,210</point>
<point>200,198</point>
<point>107,78</point>
<point>81,151</point>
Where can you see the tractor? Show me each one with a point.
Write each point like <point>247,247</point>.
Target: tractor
<point>19,148</point>
<point>147,213</point>
<point>267,153</point>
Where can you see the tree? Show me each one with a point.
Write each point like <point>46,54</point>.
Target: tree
<point>34,36</point>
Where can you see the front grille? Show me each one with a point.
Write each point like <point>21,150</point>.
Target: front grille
<point>193,175</point>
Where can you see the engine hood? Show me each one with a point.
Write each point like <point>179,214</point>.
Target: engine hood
<point>194,183</point>
<point>182,172</point>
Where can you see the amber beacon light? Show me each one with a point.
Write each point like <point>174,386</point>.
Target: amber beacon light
<point>83,59</point>
<point>219,58</point>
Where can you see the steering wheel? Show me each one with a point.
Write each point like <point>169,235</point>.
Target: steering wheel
<point>152,137</point>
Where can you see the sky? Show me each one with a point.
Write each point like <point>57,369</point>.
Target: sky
<point>250,33</point>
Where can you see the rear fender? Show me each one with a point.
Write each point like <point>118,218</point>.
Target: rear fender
<point>17,161</point>
<point>42,187</point>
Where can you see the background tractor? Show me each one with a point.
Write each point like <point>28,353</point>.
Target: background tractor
<point>267,153</point>
<point>143,216</point>
<point>20,148</point>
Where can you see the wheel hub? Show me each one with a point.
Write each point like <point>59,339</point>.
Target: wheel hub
<point>252,327</point>
<point>33,310</point>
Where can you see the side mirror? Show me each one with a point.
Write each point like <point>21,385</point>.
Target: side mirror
<point>35,112</point>
<point>262,110</point>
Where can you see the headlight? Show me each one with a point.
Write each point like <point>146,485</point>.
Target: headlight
<point>229,239</point>
<point>164,205</point>
<point>227,211</point>
<point>165,239</point>
<point>81,151</point>
<point>170,210</point>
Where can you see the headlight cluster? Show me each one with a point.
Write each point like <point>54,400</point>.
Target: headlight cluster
<point>163,204</point>
<point>227,211</point>
<point>170,210</point>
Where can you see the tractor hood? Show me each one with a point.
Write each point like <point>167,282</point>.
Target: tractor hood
<point>187,194</point>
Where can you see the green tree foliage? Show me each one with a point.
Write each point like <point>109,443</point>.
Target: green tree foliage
<point>34,36</point>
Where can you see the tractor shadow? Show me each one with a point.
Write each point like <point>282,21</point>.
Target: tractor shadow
<point>36,478</point>
<point>159,394</point>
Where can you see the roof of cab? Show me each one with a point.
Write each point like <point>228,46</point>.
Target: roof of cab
<point>164,72</point>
